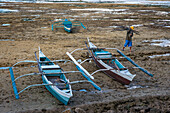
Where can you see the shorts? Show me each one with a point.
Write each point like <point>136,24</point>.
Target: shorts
<point>129,43</point>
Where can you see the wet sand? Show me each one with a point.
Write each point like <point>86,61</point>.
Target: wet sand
<point>28,27</point>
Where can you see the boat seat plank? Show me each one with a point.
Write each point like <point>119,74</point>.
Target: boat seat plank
<point>50,67</point>
<point>102,53</point>
<point>52,71</point>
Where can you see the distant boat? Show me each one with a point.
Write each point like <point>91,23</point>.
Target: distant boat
<point>66,24</point>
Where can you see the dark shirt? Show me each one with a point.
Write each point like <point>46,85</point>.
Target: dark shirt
<point>129,35</point>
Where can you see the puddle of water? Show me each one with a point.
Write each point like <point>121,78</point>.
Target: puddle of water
<point>114,26</point>
<point>44,27</point>
<point>79,60</point>
<point>167,26</point>
<point>134,87</point>
<point>146,10</point>
<point>31,15</point>
<point>163,20</point>
<point>124,19</point>
<point>138,25</point>
<point>99,9</point>
<point>6,40</point>
<point>7,11</point>
<point>153,56</point>
<point>162,13</point>
<point>2,4</point>
<point>35,10</point>
<point>120,13</point>
<point>5,24</point>
<point>116,19</point>
<point>85,14</point>
<point>58,19</point>
<point>163,3</point>
<point>162,43</point>
<point>129,19</point>
<point>56,13</point>
<point>27,19</point>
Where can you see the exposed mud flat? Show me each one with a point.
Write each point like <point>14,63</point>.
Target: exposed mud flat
<point>26,26</point>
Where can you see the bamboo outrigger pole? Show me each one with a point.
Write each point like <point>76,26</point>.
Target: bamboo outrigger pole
<point>130,60</point>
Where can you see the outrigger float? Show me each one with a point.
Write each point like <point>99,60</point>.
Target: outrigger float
<point>53,77</point>
<point>68,25</point>
<point>109,64</point>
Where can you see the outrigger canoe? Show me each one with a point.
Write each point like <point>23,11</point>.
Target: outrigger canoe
<point>106,61</point>
<point>67,25</point>
<point>53,77</point>
<point>52,74</point>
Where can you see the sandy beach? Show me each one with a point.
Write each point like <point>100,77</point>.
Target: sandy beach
<point>26,26</point>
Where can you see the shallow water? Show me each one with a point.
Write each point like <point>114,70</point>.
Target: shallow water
<point>5,24</point>
<point>145,2</point>
<point>6,40</point>
<point>161,42</point>
<point>153,56</point>
<point>130,87</point>
<point>7,11</point>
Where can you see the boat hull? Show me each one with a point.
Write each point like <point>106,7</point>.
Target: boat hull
<point>57,83</point>
<point>117,76</point>
<point>58,94</point>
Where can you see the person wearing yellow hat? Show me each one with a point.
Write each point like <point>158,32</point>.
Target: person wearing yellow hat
<point>129,38</point>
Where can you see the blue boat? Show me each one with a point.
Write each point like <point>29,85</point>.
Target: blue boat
<point>54,74</point>
<point>68,25</point>
<point>53,77</point>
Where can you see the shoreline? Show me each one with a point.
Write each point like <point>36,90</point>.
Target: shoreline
<point>27,26</point>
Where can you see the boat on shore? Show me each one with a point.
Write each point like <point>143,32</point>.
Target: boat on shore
<point>112,67</point>
<point>53,77</point>
<point>53,74</point>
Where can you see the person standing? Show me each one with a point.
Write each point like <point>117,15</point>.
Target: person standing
<point>129,38</point>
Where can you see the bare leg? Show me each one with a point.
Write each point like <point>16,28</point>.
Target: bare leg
<point>130,49</point>
<point>123,48</point>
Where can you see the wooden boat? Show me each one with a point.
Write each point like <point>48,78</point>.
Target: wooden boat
<point>53,77</point>
<point>67,25</point>
<point>52,74</point>
<point>113,68</point>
